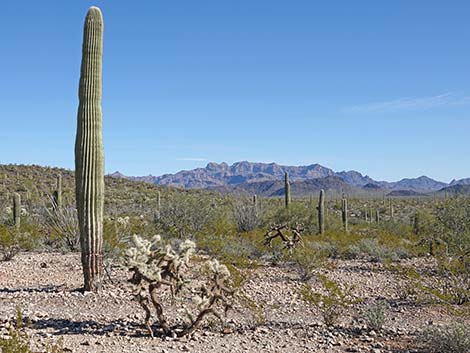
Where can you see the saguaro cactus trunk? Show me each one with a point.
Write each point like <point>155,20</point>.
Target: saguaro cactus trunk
<point>17,210</point>
<point>287,190</point>
<point>321,212</point>
<point>156,215</point>
<point>89,155</point>
<point>344,214</point>
<point>58,192</point>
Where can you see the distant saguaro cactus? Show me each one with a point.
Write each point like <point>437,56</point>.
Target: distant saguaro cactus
<point>89,155</point>
<point>377,216</point>
<point>321,212</point>
<point>344,213</point>
<point>157,213</point>
<point>287,189</point>
<point>17,209</point>
<point>416,223</point>
<point>58,192</point>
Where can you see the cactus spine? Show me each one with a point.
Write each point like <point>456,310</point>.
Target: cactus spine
<point>58,192</point>
<point>89,155</point>
<point>287,189</point>
<point>16,210</point>
<point>344,213</point>
<point>321,212</point>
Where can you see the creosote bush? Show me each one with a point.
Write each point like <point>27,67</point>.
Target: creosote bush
<point>454,338</point>
<point>332,302</point>
<point>13,240</point>
<point>154,266</point>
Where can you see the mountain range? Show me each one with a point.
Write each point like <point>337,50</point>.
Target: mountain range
<point>267,179</point>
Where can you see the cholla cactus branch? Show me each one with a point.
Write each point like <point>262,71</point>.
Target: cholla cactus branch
<point>290,242</point>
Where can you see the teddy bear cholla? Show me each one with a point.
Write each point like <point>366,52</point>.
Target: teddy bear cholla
<point>154,265</point>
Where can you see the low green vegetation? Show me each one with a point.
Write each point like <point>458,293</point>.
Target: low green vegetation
<point>238,232</point>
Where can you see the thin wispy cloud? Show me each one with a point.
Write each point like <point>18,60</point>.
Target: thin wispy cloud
<point>410,104</point>
<point>192,159</point>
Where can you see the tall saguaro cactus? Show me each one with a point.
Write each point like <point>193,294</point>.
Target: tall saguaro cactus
<point>156,215</point>
<point>17,209</point>
<point>287,189</point>
<point>58,192</point>
<point>321,212</point>
<point>344,214</point>
<point>89,155</point>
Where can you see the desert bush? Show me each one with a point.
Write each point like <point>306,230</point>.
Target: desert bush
<point>18,341</point>
<point>13,240</point>
<point>298,213</point>
<point>63,224</point>
<point>379,252</point>
<point>306,260</point>
<point>238,250</point>
<point>453,225</point>
<point>374,315</point>
<point>330,249</point>
<point>452,283</point>
<point>154,265</point>
<point>185,215</point>
<point>247,215</point>
<point>332,303</point>
<point>454,338</point>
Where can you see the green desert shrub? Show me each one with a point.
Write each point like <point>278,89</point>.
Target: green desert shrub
<point>454,338</point>
<point>18,341</point>
<point>238,250</point>
<point>13,240</point>
<point>332,302</point>
<point>379,252</point>
<point>451,285</point>
<point>306,260</point>
<point>374,315</point>
<point>298,213</point>
<point>453,225</point>
<point>185,215</point>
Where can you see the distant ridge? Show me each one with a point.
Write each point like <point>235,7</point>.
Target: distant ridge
<point>267,179</point>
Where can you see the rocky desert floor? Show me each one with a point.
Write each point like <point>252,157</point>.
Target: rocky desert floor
<point>46,287</point>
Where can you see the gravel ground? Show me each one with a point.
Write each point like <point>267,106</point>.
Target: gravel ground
<point>46,287</point>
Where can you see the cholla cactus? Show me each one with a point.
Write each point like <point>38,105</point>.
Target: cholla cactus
<point>209,296</point>
<point>290,242</point>
<point>155,265</point>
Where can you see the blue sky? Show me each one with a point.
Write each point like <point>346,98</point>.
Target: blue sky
<point>382,87</point>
